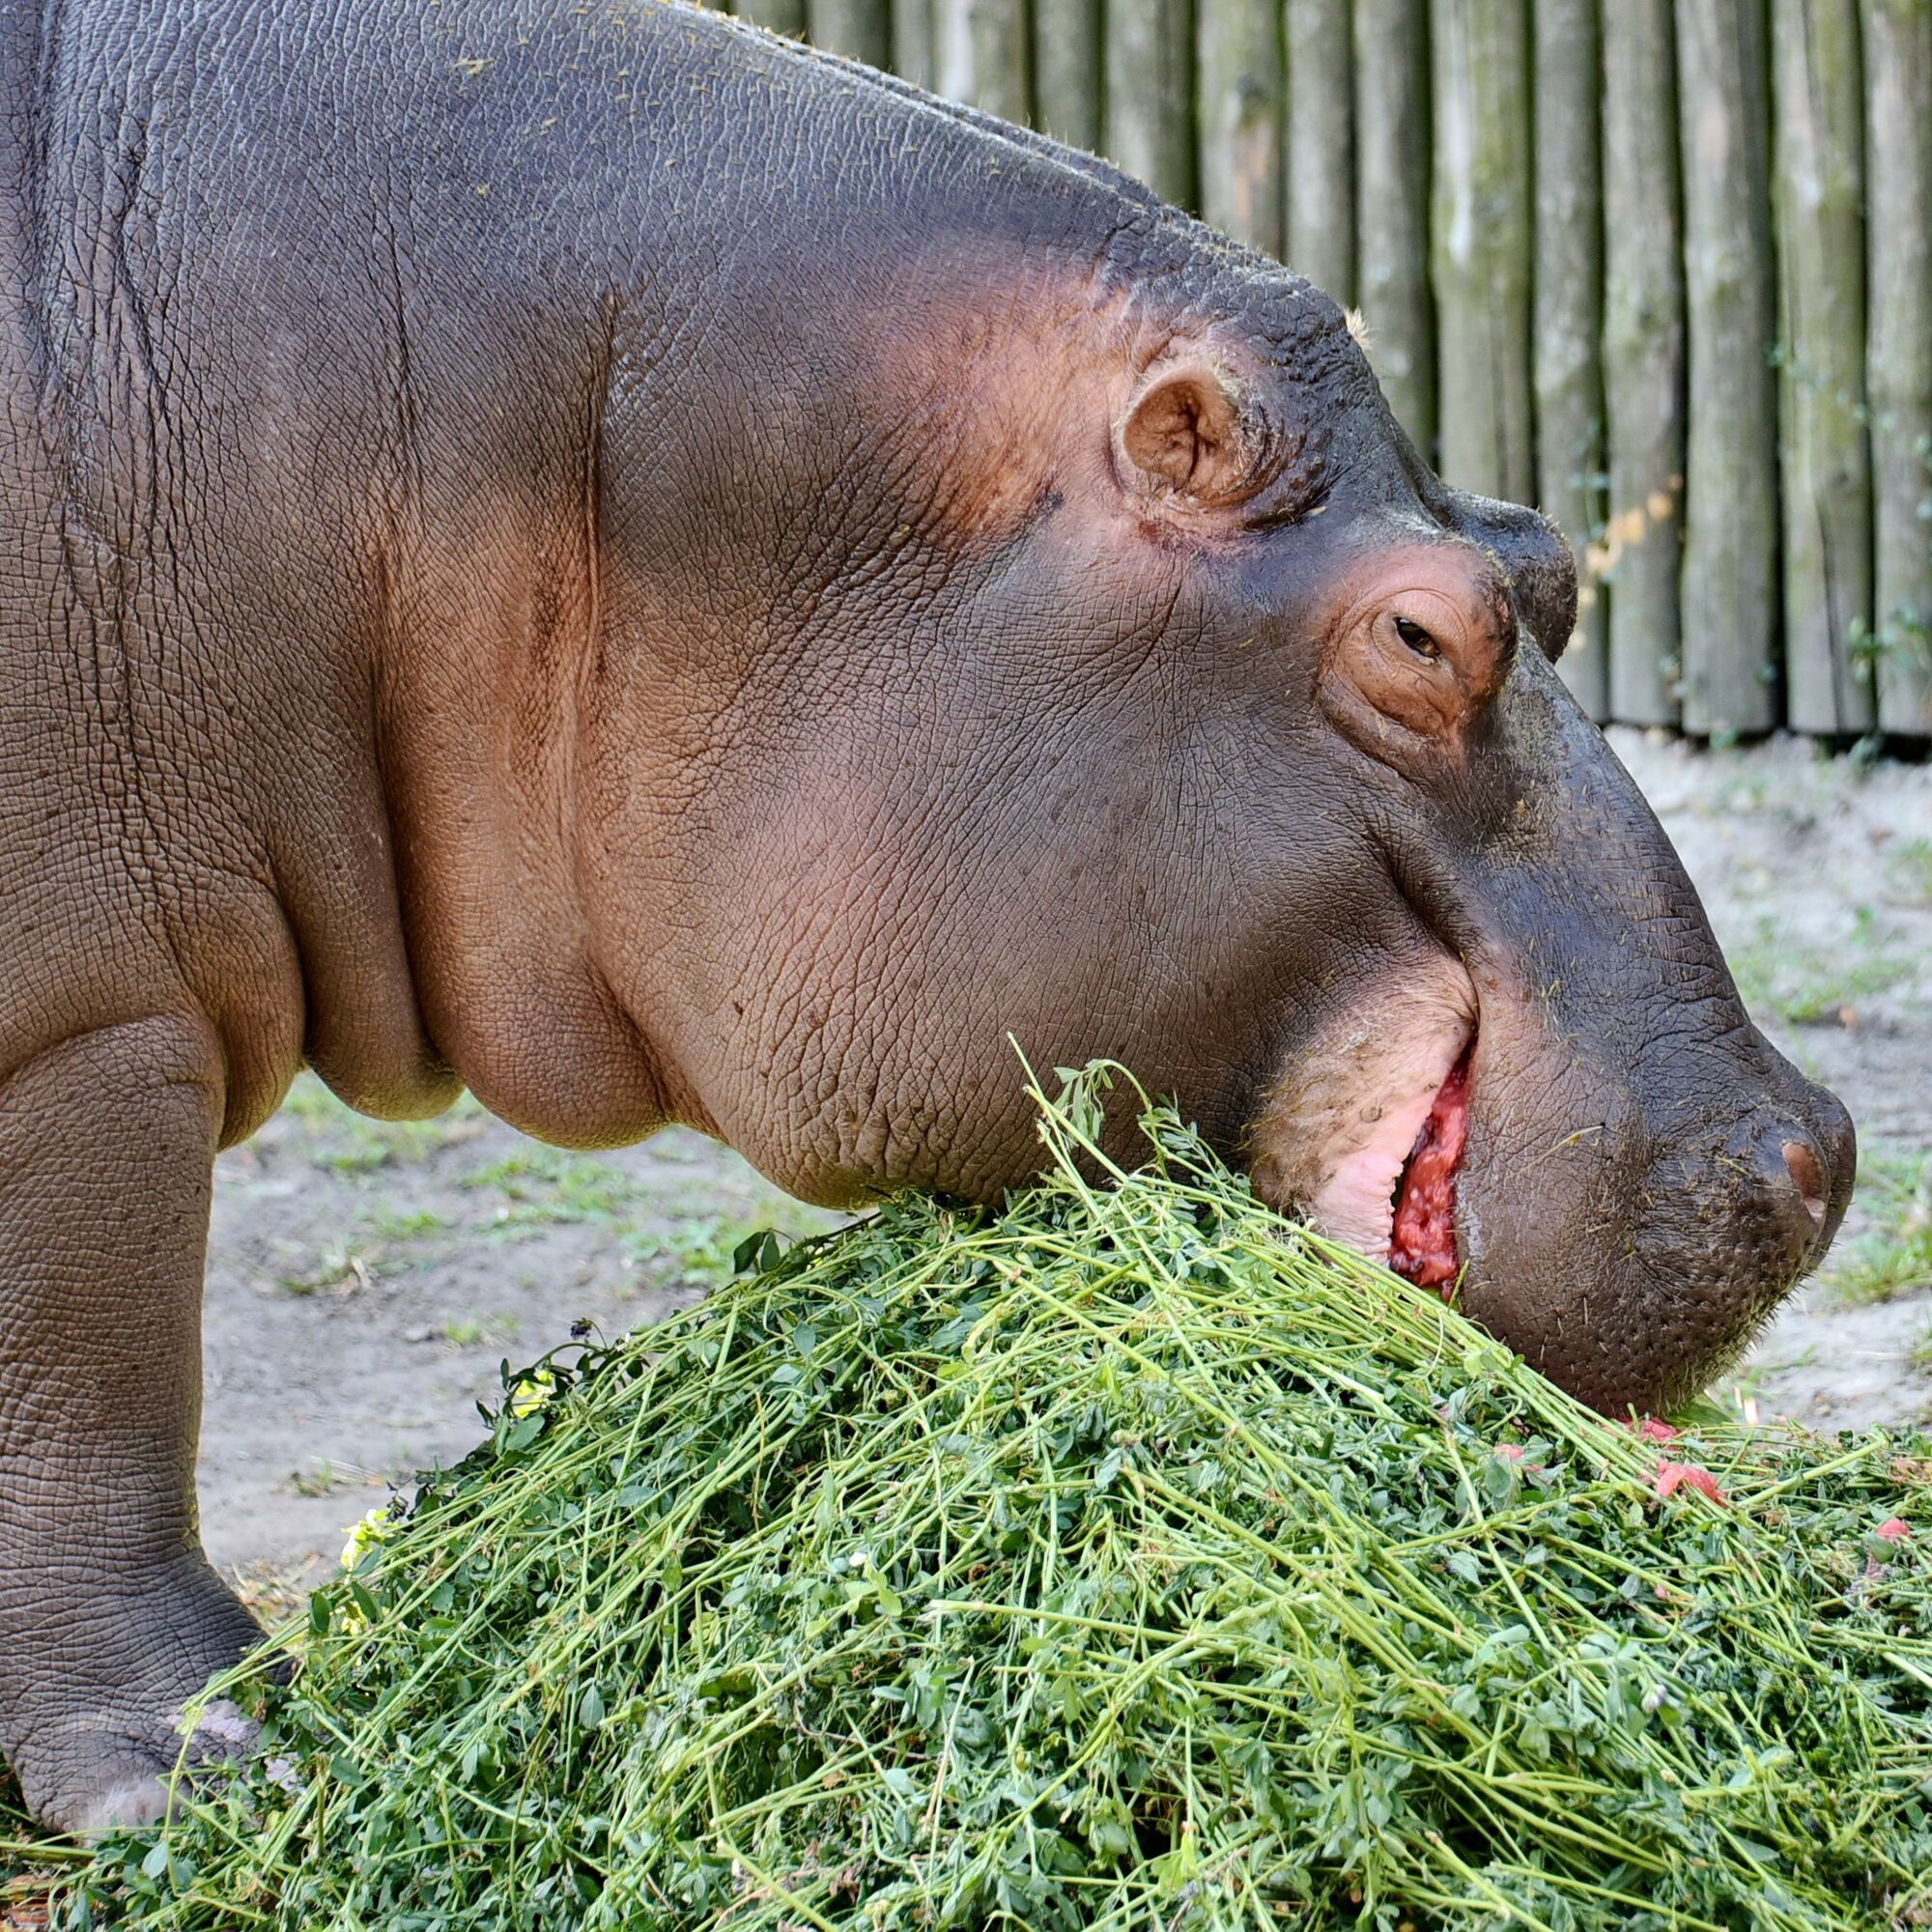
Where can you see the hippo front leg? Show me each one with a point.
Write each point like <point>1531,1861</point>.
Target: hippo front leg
<point>110,1616</point>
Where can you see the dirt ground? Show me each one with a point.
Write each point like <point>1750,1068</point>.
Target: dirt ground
<point>365,1281</point>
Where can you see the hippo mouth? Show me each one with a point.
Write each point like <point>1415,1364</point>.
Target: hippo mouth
<point>1422,1217</point>
<point>1365,1137</point>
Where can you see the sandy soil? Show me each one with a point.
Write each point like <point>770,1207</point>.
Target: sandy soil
<point>366,1281</point>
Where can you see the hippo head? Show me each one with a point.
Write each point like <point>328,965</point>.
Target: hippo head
<point>1085,659</point>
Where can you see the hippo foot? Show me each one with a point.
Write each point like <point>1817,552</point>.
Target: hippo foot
<point>130,1780</point>
<point>88,1766</point>
<point>103,1774</point>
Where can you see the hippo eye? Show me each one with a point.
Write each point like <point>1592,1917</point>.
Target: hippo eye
<point>1417,639</point>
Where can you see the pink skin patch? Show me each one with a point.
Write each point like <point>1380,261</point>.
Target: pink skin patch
<point>1422,1236</point>
<point>1355,1204</point>
<point>1340,1129</point>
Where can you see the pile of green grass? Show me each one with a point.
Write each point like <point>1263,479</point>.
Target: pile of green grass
<point>1127,1558</point>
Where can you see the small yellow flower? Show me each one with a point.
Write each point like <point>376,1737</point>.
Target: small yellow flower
<point>371,1533</point>
<point>531,1393</point>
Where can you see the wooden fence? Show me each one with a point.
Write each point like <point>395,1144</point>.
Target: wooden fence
<point>1663,269</point>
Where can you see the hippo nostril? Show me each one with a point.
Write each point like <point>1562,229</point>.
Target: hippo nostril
<point>1808,1176</point>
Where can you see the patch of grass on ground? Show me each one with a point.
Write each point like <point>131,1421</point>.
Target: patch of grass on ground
<point>1808,984</point>
<point>324,1478</point>
<point>701,1250</point>
<point>343,1267</point>
<point>544,1185</point>
<point>399,1225</point>
<point>1922,1351</point>
<point>500,1329</point>
<point>351,1143</point>
<point>1909,865</point>
<point>1893,1256</point>
<point>272,1591</point>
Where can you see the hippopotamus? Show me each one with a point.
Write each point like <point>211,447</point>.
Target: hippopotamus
<point>596,555</point>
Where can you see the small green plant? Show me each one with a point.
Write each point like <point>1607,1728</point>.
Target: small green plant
<point>398,1225</point>
<point>1922,1351</point>
<point>344,1268</point>
<point>352,1143</point>
<point>1806,985</point>
<point>542,1186</point>
<point>1893,1256</point>
<point>699,1249</point>
<point>1909,865</point>
<point>324,1478</point>
<point>467,1331</point>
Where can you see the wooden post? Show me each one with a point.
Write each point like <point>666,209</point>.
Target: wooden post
<point>1149,92</point>
<point>1321,196</point>
<point>860,29</point>
<point>1729,592</point>
<point>1569,316</point>
<point>1643,359</point>
<point>1481,245</point>
<point>1239,68</point>
<point>782,17</point>
<point>1827,476</point>
<point>982,55</point>
<point>1392,208</point>
<point>1898,362</point>
<point>1066,42</point>
<point>912,41</point>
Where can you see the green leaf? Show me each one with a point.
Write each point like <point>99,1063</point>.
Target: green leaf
<point>520,1434</point>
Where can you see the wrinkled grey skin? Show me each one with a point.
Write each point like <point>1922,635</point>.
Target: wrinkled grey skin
<point>612,561</point>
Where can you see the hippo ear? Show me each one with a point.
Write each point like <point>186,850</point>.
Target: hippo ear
<point>1189,434</point>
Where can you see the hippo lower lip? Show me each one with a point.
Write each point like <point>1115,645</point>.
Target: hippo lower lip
<point>1341,1138</point>
<point>1422,1220</point>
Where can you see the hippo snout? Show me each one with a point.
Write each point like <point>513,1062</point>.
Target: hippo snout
<point>1546,1097</point>
<point>1771,1198</point>
<point>1634,1267</point>
<point>1803,1159</point>
<point>1807,1171</point>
